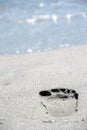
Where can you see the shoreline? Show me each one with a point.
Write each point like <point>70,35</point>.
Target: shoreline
<point>44,51</point>
<point>43,54</point>
<point>23,76</point>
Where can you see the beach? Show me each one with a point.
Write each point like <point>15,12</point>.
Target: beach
<point>22,77</point>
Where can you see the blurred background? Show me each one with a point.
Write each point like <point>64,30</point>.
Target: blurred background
<point>28,26</point>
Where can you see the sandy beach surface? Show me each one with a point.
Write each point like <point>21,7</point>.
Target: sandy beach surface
<point>23,76</point>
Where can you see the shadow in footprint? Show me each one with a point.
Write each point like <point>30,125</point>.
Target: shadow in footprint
<point>60,101</point>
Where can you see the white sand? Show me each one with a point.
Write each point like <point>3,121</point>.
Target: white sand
<point>23,76</point>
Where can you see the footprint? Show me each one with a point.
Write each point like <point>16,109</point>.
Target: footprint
<point>59,101</point>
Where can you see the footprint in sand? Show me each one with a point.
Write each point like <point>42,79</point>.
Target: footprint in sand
<point>59,101</point>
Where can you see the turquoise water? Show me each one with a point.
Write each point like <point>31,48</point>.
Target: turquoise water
<point>41,25</point>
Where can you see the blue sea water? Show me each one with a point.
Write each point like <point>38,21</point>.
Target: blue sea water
<point>28,26</point>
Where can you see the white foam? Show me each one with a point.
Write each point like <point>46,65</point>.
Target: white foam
<point>29,50</point>
<point>17,52</point>
<point>68,16</point>
<point>66,45</point>
<point>38,18</point>
<point>31,20</point>
<point>43,17</point>
<point>61,45</point>
<point>41,5</point>
<point>54,18</point>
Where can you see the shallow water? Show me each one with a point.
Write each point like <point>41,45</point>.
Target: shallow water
<point>35,25</point>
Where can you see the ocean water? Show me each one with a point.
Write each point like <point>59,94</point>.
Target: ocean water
<point>28,26</point>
